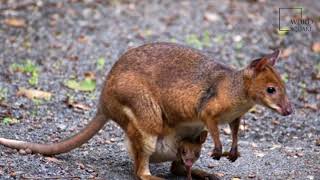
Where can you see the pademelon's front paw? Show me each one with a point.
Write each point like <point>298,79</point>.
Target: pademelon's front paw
<point>233,154</point>
<point>217,153</point>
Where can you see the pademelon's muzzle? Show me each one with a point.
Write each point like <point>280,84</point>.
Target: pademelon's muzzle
<point>286,108</point>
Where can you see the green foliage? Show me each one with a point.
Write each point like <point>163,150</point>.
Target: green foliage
<point>198,42</point>
<point>100,63</point>
<point>27,67</point>
<point>285,77</point>
<point>219,39</point>
<point>3,93</point>
<point>85,85</point>
<point>318,67</point>
<point>9,120</point>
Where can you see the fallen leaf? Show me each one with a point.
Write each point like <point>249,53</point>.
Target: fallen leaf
<point>90,75</point>
<point>85,85</point>
<point>53,159</point>
<point>259,154</point>
<point>313,107</point>
<point>316,47</point>
<point>81,165</point>
<point>318,142</point>
<point>34,94</point>
<point>77,105</point>
<point>275,122</point>
<point>219,174</point>
<point>15,22</point>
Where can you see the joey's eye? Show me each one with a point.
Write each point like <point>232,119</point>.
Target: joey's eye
<point>271,90</point>
<point>184,152</point>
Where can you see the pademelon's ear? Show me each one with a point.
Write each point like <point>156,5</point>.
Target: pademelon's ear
<point>202,137</point>
<point>270,59</point>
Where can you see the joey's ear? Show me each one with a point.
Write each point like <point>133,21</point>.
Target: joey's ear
<point>273,57</point>
<point>202,137</point>
<point>259,64</point>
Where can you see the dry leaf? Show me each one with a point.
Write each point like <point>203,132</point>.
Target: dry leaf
<point>76,105</point>
<point>53,159</point>
<point>275,122</point>
<point>259,154</point>
<point>311,106</point>
<point>316,47</point>
<point>15,22</point>
<point>219,174</point>
<point>90,75</point>
<point>33,93</point>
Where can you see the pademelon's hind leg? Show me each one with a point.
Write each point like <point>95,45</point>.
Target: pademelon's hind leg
<point>141,148</point>
<point>137,105</point>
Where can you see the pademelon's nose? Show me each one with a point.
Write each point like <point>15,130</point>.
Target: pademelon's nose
<point>287,110</point>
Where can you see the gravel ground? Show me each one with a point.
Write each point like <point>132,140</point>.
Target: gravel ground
<point>66,39</point>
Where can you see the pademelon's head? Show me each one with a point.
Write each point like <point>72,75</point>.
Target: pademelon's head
<point>265,86</point>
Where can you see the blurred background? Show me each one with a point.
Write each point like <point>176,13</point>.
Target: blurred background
<point>54,56</point>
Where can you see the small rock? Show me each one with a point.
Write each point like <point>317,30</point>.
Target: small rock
<point>22,151</point>
<point>237,38</point>
<point>299,154</point>
<point>219,174</point>
<point>61,126</point>
<point>235,178</point>
<point>211,165</point>
<point>251,175</point>
<point>226,131</point>
<point>318,142</point>
<point>211,16</point>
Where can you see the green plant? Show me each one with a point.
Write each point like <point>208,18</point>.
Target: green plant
<point>100,63</point>
<point>85,85</point>
<point>9,120</point>
<point>27,67</point>
<point>3,93</point>
<point>197,42</point>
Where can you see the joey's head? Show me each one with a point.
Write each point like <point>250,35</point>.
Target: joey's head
<point>265,86</point>
<point>189,150</point>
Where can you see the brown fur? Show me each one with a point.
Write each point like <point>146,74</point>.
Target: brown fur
<point>164,92</point>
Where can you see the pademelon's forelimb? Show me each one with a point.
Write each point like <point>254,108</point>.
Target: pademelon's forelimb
<point>61,147</point>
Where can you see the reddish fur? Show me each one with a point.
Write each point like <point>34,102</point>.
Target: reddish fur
<point>154,89</point>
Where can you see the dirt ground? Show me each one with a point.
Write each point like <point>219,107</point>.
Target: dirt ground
<point>70,38</point>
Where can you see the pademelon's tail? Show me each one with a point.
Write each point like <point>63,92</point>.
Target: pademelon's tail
<point>61,147</point>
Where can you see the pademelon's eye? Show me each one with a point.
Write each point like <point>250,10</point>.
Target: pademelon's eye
<point>271,90</point>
